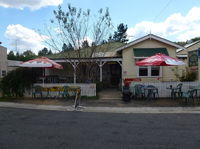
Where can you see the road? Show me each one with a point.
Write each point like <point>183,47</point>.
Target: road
<point>40,129</point>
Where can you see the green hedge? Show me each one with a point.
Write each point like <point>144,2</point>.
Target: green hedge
<point>17,81</point>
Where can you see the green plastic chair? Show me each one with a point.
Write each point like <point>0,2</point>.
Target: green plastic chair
<point>139,91</point>
<point>189,95</point>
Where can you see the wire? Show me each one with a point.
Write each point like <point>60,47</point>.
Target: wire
<point>159,14</point>
<point>162,10</point>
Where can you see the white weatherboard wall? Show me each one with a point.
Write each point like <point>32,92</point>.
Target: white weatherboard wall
<point>88,89</point>
<point>162,87</point>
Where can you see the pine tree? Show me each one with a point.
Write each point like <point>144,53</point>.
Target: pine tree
<point>120,35</point>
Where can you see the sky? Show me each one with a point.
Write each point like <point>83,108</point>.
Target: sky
<point>175,20</point>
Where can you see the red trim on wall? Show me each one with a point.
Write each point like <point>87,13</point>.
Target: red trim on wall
<point>127,81</point>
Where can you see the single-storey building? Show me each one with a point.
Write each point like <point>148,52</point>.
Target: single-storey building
<point>115,62</point>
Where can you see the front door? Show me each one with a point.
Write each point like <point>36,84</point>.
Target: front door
<point>115,74</point>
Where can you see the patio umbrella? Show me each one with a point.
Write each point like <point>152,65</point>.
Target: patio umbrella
<point>160,60</point>
<point>41,62</point>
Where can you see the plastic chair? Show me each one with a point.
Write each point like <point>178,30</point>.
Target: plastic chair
<point>189,95</point>
<point>139,91</point>
<point>177,92</point>
<point>37,90</point>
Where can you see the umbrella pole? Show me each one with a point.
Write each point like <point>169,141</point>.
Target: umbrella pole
<point>43,70</point>
<point>161,74</point>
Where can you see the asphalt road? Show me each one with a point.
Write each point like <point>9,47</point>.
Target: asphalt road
<point>38,129</point>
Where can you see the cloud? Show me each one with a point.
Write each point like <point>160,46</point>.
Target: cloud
<point>22,38</point>
<point>176,25</point>
<point>32,4</point>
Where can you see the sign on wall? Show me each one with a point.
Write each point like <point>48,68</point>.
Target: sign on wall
<point>193,58</point>
<point>199,52</point>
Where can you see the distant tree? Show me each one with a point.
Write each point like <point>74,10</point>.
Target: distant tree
<point>181,43</point>
<point>120,35</point>
<point>195,39</point>
<point>66,47</point>
<point>85,44</point>
<point>104,42</point>
<point>43,52</point>
<point>110,39</point>
<point>50,52</point>
<point>17,56</point>
<point>27,55</point>
<point>11,56</point>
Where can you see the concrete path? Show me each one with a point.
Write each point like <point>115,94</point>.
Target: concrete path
<point>110,93</point>
<point>104,109</point>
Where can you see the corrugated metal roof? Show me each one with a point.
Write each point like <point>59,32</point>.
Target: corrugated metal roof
<point>105,50</point>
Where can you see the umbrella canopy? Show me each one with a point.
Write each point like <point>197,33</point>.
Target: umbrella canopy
<point>160,60</point>
<point>42,62</point>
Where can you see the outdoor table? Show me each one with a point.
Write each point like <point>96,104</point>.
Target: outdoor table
<point>173,95</point>
<point>150,92</point>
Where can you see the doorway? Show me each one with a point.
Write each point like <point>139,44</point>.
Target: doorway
<point>112,74</point>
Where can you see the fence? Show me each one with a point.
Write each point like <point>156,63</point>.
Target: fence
<point>87,89</point>
<point>162,87</point>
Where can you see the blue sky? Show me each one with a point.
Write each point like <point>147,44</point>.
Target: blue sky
<point>176,20</point>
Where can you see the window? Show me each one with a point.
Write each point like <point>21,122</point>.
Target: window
<point>143,71</point>
<point>3,73</point>
<point>155,71</point>
<point>148,71</point>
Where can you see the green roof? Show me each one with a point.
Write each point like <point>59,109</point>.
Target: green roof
<point>146,52</point>
<point>87,52</point>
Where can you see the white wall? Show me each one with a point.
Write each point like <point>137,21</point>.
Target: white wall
<point>162,87</point>
<point>3,60</point>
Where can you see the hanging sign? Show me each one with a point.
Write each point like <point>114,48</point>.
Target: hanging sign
<point>199,52</point>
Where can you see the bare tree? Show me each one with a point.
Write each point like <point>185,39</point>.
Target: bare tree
<point>75,26</point>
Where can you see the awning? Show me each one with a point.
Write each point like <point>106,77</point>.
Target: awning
<point>146,52</point>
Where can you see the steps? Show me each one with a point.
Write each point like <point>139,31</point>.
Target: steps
<point>110,93</point>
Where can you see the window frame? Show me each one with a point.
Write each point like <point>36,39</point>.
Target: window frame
<point>149,69</point>
<point>3,73</point>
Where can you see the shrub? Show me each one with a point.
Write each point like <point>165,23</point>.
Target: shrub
<point>17,81</point>
<point>187,74</point>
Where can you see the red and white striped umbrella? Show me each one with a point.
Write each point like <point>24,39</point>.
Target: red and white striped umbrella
<point>42,62</point>
<point>160,60</point>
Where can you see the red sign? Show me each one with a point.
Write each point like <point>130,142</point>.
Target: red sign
<point>127,81</point>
